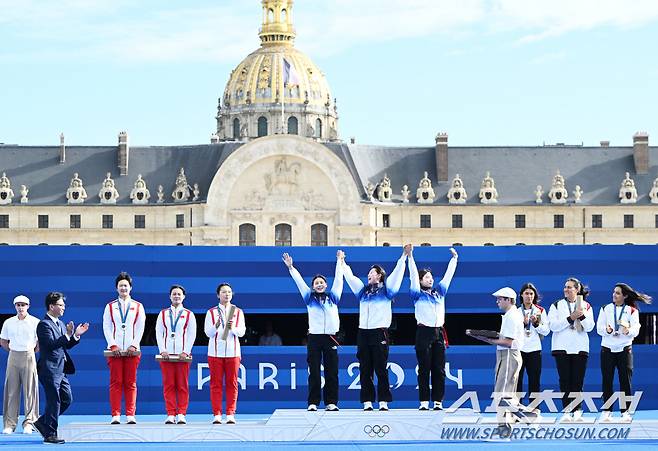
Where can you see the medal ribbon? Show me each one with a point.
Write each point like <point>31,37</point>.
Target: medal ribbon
<point>219,312</point>
<point>124,317</point>
<point>174,323</point>
<point>529,312</point>
<point>619,318</point>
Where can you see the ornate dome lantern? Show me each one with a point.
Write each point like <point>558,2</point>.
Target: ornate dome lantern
<point>277,89</point>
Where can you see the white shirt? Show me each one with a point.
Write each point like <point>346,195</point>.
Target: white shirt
<point>532,342</point>
<point>182,338</point>
<point>512,327</point>
<point>608,316</point>
<point>564,337</point>
<point>123,334</point>
<point>21,333</point>
<point>216,346</point>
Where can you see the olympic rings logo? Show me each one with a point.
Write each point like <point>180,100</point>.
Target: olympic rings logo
<point>376,430</point>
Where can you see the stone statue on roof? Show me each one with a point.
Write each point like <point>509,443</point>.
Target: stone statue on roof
<point>558,193</point>
<point>182,191</point>
<point>627,191</point>
<point>108,193</point>
<point>457,192</point>
<point>140,193</point>
<point>6,193</point>
<point>425,192</point>
<point>653,194</point>
<point>539,192</point>
<point>488,192</point>
<point>76,193</point>
<point>384,191</point>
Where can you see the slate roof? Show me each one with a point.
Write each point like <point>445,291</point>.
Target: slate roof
<point>516,170</point>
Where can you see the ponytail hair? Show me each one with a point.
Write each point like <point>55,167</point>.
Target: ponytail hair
<point>582,289</point>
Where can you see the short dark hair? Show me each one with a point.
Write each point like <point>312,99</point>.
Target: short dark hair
<point>318,276</point>
<point>381,271</point>
<point>52,298</point>
<point>422,273</point>
<point>223,284</point>
<point>173,287</point>
<point>123,276</point>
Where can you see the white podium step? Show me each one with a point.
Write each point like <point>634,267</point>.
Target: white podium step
<point>290,425</point>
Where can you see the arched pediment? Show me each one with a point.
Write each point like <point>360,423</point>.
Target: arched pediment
<point>283,173</point>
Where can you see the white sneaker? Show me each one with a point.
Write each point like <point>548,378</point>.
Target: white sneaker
<point>7,431</point>
<point>170,419</point>
<point>424,405</point>
<point>28,429</point>
<point>230,419</point>
<point>367,406</point>
<point>566,418</point>
<point>180,419</point>
<point>217,419</point>
<point>606,417</point>
<point>438,405</point>
<point>578,416</point>
<point>332,408</point>
<point>312,408</point>
<point>383,406</point>
<point>131,420</point>
<point>116,419</point>
<point>626,417</point>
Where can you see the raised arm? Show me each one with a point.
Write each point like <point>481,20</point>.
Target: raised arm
<point>394,281</point>
<point>354,282</point>
<point>337,286</point>
<point>450,272</point>
<point>304,289</point>
<point>414,281</point>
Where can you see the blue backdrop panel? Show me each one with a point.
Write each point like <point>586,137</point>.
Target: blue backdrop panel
<point>262,284</point>
<point>276,377</point>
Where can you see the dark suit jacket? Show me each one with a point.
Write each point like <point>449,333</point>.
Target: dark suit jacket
<point>53,359</point>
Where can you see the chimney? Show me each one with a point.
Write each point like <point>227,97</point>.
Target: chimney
<point>605,143</point>
<point>641,152</point>
<point>62,149</point>
<point>123,153</point>
<point>441,156</point>
<point>214,138</point>
<point>353,140</point>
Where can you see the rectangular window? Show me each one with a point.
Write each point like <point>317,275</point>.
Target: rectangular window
<point>425,221</point>
<point>628,221</point>
<point>108,221</point>
<point>558,221</point>
<point>4,221</point>
<point>488,221</point>
<point>657,221</point>
<point>597,221</point>
<point>43,221</point>
<point>180,221</point>
<point>74,221</point>
<point>386,220</point>
<point>140,221</point>
<point>457,222</point>
<point>519,221</point>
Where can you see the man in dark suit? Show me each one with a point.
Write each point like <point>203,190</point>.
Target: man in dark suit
<point>55,363</point>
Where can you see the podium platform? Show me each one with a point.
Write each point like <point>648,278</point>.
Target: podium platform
<point>400,425</point>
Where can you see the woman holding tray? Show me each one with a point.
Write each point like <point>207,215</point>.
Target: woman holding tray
<point>224,324</point>
<point>429,308</point>
<point>175,332</point>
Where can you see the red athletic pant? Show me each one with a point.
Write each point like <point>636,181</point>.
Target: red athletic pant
<point>175,384</point>
<point>123,381</point>
<point>223,370</point>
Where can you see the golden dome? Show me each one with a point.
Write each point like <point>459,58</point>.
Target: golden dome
<point>256,85</point>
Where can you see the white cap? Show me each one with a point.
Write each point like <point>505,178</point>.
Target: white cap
<point>505,292</point>
<point>22,299</point>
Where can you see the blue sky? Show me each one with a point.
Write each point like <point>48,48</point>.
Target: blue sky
<point>487,72</point>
